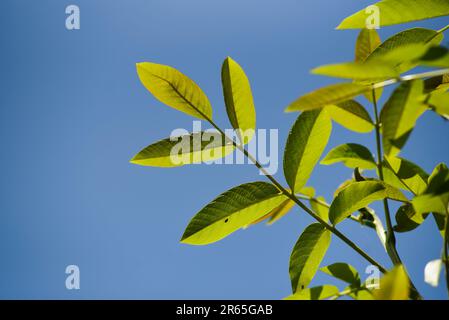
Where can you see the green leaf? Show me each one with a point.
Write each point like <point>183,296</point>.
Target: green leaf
<point>305,144</point>
<point>238,99</point>
<point>344,272</point>
<point>354,197</point>
<point>394,285</point>
<point>187,149</point>
<point>316,293</point>
<point>320,207</point>
<point>307,255</point>
<point>398,11</point>
<point>352,155</point>
<point>404,174</point>
<point>351,115</point>
<point>407,219</point>
<point>439,101</point>
<point>232,210</point>
<point>174,89</point>
<point>369,71</point>
<point>403,48</point>
<point>332,94</point>
<point>367,41</point>
<point>436,197</point>
<point>399,115</point>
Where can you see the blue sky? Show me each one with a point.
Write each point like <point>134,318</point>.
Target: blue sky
<point>73,113</point>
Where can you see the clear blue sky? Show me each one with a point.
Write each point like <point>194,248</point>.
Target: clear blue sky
<point>73,113</point>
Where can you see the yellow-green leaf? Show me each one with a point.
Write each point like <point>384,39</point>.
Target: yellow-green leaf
<point>344,272</point>
<point>367,41</point>
<point>307,255</point>
<point>187,149</point>
<point>404,174</point>
<point>332,94</point>
<point>232,210</point>
<point>351,115</point>
<point>439,101</point>
<point>394,285</point>
<point>305,144</point>
<point>393,12</point>
<point>436,57</point>
<point>355,196</point>
<point>436,197</point>
<point>320,207</point>
<point>405,47</point>
<point>281,211</point>
<point>238,99</point>
<point>353,155</point>
<point>370,71</point>
<point>174,89</point>
<point>316,293</point>
<point>399,115</point>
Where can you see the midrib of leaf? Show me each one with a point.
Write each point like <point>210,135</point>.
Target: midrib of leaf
<point>182,96</point>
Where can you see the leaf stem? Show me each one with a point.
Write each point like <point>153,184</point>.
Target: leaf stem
<point>390,236</point>
<point>299,202</point>
<point>427,74</point>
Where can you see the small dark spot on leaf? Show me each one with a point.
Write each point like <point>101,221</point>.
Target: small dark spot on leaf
<point>226,220</point>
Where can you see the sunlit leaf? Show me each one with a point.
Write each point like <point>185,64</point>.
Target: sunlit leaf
<point>187,149</point>
<point>344,272</point>
<point>332,94</point>
<point>367,41</point>
<point>281,211</point>
<point>403,48</point>
<point>370,71</point>
<point>355,196</point>
<point>437,57</point>
<point>439,101</point>
<point>404,174</point>
<point>238,99</point>
<point>399,115</point>
<point>174,89</point>
<point>436,197</point>
<point>398,11</point>
<point>315,293</point>
<point>307,191</point>
<point>351,115</point>
<point>352,155</point>
<point>320,207</point>
<point>305,144</point>
<point>394,285</point>
<point>307,255</point>
<point>232,210</point>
